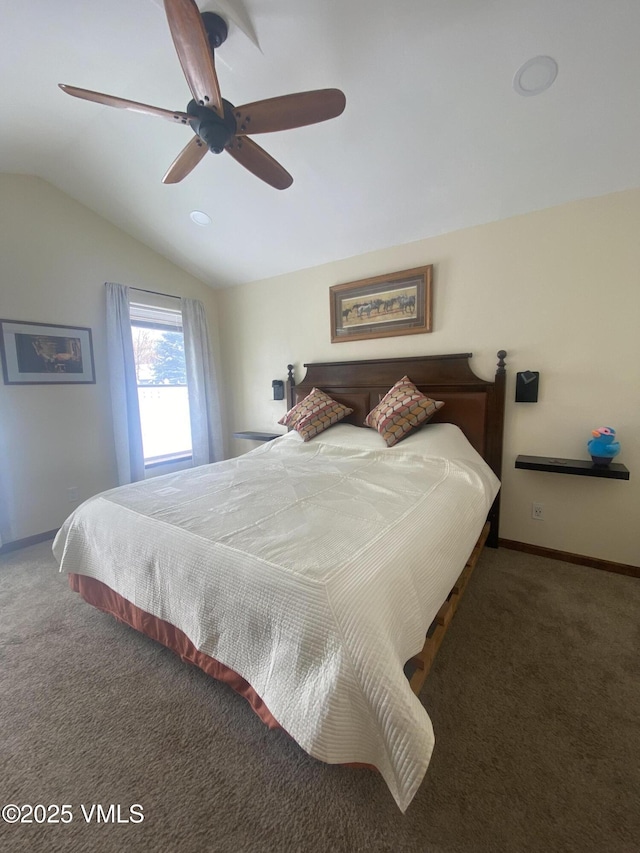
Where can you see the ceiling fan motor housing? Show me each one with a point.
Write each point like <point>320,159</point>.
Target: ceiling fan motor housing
<point>215,131</point>
<point>216,29</point>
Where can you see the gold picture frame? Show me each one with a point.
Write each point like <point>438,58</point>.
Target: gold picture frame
<point>399,303</point>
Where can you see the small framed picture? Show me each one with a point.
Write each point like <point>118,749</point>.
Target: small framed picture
<point>380,307</point>
<point>45,354</point>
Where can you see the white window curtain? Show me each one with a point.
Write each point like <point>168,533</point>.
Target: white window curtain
<point>124,386</point>
<point>204,407</point>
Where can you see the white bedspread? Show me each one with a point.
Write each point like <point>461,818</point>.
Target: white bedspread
<point>313,570</point>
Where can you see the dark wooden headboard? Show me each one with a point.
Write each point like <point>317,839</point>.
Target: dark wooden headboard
<point>475,405</point>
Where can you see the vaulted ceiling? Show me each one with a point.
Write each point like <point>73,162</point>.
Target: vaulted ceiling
<point>433,138</point>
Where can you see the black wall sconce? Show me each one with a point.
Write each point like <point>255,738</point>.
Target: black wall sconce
<point>278,389</point>
<point>527,386</point>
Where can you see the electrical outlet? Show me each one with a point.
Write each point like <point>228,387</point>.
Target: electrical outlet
<point>537,511</point>
<point>72,494</point>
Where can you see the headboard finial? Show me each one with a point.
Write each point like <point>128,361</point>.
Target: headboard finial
<point>502,354</point>
<point>291,384</point>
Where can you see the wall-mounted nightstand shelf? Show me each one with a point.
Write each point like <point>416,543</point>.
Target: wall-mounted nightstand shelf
<point>583,467</point>
<point>258,436</point>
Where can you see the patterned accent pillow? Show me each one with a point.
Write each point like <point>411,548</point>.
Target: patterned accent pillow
<point>402,409</point>
<point>317,412</point>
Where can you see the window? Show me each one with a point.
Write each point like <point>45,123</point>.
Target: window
<point>158,349</point>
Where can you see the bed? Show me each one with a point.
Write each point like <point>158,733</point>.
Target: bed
<point>310,574</point>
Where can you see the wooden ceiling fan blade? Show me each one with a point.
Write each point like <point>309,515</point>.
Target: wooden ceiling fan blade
<point>186,161</point>
<point>194,52</point>
<point>262,165</point>
<point>124,104</point>
<point>289,111</point>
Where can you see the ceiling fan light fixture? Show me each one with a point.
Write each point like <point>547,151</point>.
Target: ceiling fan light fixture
<point>200,218</point>
<point>535,76</point>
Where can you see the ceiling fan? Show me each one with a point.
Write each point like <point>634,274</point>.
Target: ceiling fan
<point>217,124</point>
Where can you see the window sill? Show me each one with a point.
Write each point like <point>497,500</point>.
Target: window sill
<point>159,461</point>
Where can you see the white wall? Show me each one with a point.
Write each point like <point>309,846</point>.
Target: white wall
<point>558,289</point>
<point>55,256</point>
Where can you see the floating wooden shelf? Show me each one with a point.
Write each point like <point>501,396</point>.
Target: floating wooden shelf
<point>582,467</point>
<point>257,436</point>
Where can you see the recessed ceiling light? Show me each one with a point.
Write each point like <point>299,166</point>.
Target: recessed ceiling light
<point>535,75</point>
<point>200,218</point>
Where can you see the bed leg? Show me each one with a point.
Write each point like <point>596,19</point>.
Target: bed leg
<point>494,519</point>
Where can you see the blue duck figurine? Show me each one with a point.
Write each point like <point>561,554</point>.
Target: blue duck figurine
<point>603,446</point>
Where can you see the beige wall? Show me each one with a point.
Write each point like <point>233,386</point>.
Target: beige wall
<point>55,256</point>
<point>558,289</point>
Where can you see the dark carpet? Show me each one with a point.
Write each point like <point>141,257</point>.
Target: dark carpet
<point>535,700</point>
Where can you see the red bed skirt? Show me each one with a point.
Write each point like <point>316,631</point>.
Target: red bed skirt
<point>99,595</point>
<point>104,598</point>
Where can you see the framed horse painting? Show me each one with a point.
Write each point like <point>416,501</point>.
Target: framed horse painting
<point>396,304</point>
